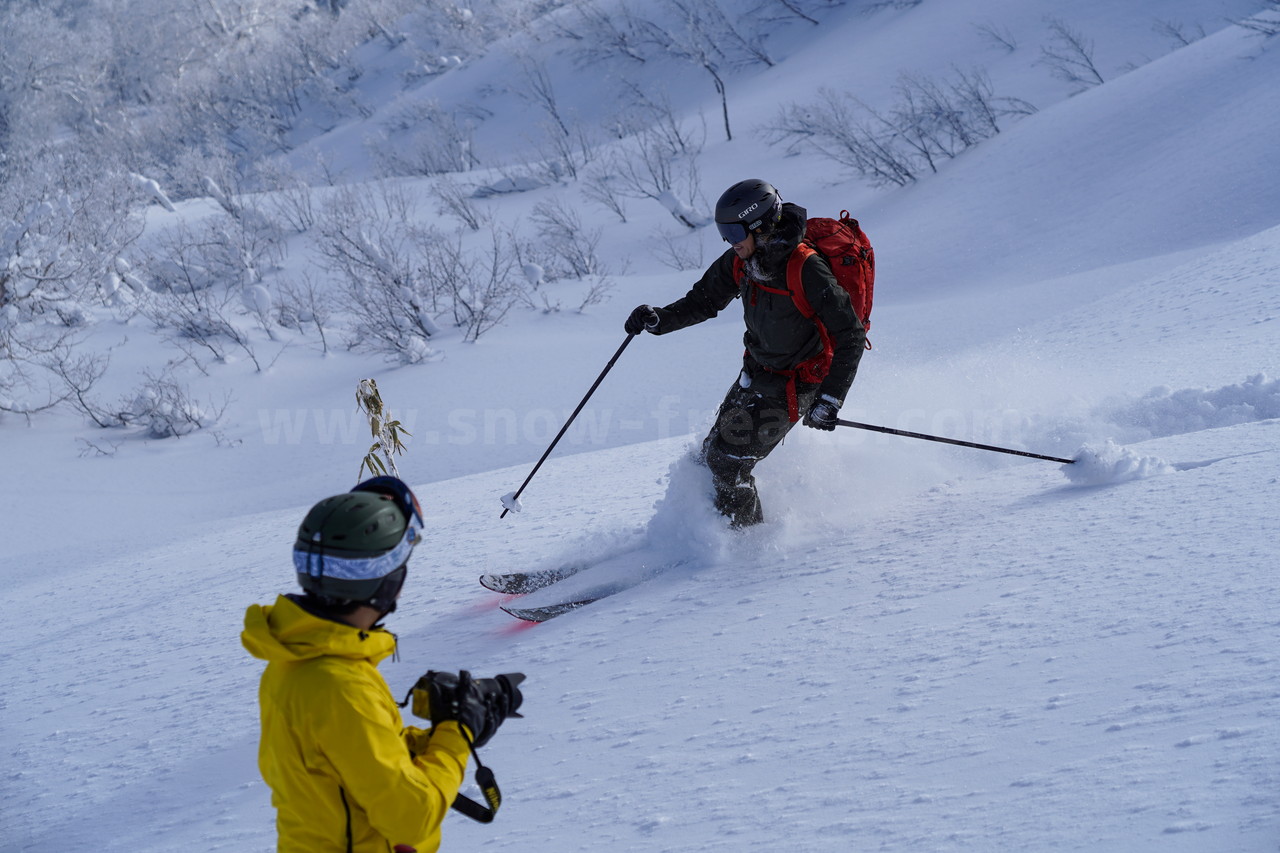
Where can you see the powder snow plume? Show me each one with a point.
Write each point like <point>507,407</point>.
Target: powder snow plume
<point>1111,463</point>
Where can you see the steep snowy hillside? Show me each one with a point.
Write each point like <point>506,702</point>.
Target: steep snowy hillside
<point>1064,191</point>
<point>974,667</point>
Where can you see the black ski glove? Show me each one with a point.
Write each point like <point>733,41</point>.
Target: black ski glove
<point>642,319</point>
<point>480,704</point>
<point>823,413</point>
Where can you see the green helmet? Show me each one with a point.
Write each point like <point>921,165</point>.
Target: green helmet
<point>352,548</point>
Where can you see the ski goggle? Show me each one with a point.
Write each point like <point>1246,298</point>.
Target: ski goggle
<point>732,232</point>
<point>321,565</point>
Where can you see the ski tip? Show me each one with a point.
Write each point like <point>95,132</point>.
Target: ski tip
<point>542,614</point>
<point>527,615</point>
<point>508,584</point>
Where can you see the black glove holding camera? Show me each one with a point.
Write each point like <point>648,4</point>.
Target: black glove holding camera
<point>480,704</point>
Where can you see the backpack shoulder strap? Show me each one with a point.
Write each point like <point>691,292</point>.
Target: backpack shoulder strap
<point>739,270</point>
<point>795,264</point>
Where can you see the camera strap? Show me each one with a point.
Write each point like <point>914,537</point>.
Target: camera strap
<point>488,786</point>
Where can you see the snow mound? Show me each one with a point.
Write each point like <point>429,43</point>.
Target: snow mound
<point>1163,411</point>
<point>1111,463</point>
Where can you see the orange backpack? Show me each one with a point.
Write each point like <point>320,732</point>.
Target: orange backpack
<point>852,260</point>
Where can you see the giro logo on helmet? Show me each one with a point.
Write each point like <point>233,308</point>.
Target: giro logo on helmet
<point>743,214</point>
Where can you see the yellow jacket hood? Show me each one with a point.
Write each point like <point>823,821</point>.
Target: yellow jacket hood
<point>285,632</point>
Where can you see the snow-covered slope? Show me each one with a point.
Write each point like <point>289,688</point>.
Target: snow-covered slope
<point>926,648</point>
<point>1001,663</point>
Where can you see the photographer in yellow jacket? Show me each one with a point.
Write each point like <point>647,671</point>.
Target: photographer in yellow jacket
<point>345,773</point>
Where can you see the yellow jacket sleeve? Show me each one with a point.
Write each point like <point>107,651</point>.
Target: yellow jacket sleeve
<point>404,795</point>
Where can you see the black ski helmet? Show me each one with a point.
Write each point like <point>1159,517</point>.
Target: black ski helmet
<point>353,548</point>
<point>750,205</point>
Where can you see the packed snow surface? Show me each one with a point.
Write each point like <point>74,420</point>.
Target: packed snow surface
<point>924,648</point>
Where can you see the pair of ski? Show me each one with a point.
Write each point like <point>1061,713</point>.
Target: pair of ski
<point>523,583</point>
<point>611,575</point>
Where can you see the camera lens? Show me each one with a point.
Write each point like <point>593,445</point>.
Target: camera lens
<point>509,683</point>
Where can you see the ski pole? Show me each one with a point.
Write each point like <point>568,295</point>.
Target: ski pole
<point>515,497</point>
<point>903,432</point>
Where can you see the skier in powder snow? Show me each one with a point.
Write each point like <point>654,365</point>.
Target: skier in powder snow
<point>345,773</point>
<point>777,381</point>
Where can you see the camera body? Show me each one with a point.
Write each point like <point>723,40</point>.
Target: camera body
<point>481,705</point>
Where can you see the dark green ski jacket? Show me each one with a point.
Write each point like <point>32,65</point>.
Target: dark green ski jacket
<point>778,336</point>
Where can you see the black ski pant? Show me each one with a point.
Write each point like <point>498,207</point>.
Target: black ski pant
<point>747,428</point>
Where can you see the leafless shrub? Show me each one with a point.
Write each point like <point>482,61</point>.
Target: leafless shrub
<point>257,234</point>
<point>539,267</point>
<point>97,448</point>
<point>971,93</point>
<point>1265,22</point>
<point>655,113</point>
<point>657,160</point>
<point>303,303</point>
<point>734,35</point>
<point>795,8</point>
<point>1002,38</point>
<point>565,146</point>
<point>679,251</point>
<point>198,277</point>
<point>597,292</point>
<point>538,89</point>
<point>162,406</point>
<point>601,187</point>
<point>1180,34</point>
<point>260,305</point>
<point>457,201</point>
<point>291,201</point>
<point>840,128</point>
<point>167,410</point>
<point>572,245</point>
<point>424,139</point>
<point>536,263</point>
<point>929,122</point>
<point>201,323</point>
<point>367,237</point>
<point>939,120</point>
<point>482,287</point>
<point>42,366</point>
<point>62,228</point>
<point>564,156</point>
<point>600,35</point>
<point>1069,56</point>
<point>693,44</point>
